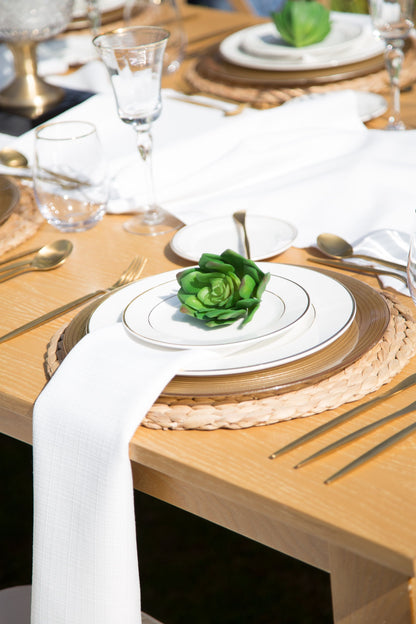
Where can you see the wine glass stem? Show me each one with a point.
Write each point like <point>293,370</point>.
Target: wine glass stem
<point>152,214</point>
<point>394,61</point>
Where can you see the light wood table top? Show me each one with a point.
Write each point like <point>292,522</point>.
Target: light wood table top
<point>362,529</point>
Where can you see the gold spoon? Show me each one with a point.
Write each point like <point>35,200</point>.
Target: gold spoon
<point>47,258</point>
<point>10,157</point>
<point>336,247</point>
<point>240,217</point>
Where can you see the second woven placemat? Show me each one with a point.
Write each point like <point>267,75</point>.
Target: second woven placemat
<point>258,97</point>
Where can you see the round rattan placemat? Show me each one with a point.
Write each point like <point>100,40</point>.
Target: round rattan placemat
<point>211,74</point>
<point>368,373</point>
<point>23,223</point>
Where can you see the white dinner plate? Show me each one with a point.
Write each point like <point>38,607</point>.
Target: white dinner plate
<point>268,237</point>
<point>331,312</point>
<point>264,40</point>
<point>154,316</point>
<point>368,47</point>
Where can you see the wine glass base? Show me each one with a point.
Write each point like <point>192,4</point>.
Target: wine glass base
<point>139,225</point>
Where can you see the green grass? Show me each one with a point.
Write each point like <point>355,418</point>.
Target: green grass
<point>191,571</point>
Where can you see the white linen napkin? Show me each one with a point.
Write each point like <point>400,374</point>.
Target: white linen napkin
<point>387,244</point>
<point>314,163</point>
<point>85,567</point>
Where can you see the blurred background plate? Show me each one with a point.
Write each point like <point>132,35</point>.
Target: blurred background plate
<point>233,51</point>
<point>264,40</point>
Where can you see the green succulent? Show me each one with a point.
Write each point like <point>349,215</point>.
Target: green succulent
<point>302,22</point>
<point>222,289</point>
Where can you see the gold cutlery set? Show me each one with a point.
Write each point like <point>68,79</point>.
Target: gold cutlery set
<point>131,274</point>
<point>408,382</point>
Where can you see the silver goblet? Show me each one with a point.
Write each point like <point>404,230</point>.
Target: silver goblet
<point>23,24</point>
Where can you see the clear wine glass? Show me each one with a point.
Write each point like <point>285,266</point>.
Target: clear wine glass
<point>392,21</point>
<point>134,59</point>
<point>166,14</point>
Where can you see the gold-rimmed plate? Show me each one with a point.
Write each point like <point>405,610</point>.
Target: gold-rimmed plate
<point>370,322</point>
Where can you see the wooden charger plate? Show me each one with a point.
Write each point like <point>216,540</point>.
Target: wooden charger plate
<point>214,67</point>
<point>370,323</point>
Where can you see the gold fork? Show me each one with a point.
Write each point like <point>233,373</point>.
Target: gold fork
<point>131,274</point>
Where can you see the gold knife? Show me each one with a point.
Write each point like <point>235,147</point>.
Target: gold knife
<point>357,434</point>
<point>403,385</point>
<point>376,450</point>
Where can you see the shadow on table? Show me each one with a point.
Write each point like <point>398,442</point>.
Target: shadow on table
<point>191,570</point>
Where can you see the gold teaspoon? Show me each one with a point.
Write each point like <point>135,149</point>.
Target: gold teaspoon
<point>47,258</point>
<point>336,247</point>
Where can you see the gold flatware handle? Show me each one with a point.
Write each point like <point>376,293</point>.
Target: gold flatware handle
<point>403,385</point>
<point>19,255</point>
<point>49,316</point>
<point>357,434</point>
<point>188,99</point>
<point>376,450</point>
<point>357,268</point>
<point>387,263</point>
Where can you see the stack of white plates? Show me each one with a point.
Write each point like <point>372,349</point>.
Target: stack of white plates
<point>261,47</point>
<point>301,312</point>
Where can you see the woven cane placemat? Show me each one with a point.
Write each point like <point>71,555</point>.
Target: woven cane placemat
<point>211,74</point>
<point>373,369</point>
<point>23,223</point>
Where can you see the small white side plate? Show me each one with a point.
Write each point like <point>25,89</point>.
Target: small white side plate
<point>155,316</point>
<point>268,237</point>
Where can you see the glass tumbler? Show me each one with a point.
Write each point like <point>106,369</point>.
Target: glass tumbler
<point>69,175</point>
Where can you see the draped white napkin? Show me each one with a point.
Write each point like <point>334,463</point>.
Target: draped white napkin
<point>85,567</point>
<point>314,164</point>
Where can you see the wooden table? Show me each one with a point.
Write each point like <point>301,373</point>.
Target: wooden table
<point>362,530</point>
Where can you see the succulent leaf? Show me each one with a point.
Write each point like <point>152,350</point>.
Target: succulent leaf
<point>222,289</point>
<point>302,22</point>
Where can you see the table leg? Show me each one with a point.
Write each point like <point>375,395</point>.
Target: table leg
<point>364,592</point>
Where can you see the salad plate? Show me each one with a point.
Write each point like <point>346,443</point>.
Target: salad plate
<point>154,316</point>
<point>268,236</point>
<point>265,41</point>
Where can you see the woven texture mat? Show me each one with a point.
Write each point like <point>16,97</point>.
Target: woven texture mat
<point>377,367</point>
<point>23,223</point>
<point>258,97</point>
